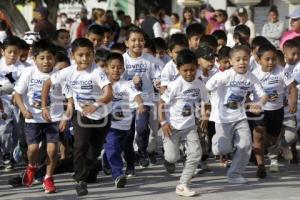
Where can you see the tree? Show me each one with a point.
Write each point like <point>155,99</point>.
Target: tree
<point>19,24</point>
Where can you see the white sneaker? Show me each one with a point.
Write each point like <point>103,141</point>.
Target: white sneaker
<point>237,180</point>
<point>274,166</point>
<point>184,190</point>
<point>286,153</point>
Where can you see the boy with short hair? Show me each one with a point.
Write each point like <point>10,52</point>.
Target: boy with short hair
<point>61,38</point>
<point>183,96</point>
<point>194,32</point>
<point>161,50</point>
<point>223,58</point>
<point>91,92</point>
<point>228,94</point>
<point>28,98</point>
<point>95,34</point>
<point>221,37</point>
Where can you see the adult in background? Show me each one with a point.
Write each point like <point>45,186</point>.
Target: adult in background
<point>151,26</point>
<point>188,18</point>
<point>244,19</point>
<point>274,28</point>
<point>43,25</point>
<point>295,27</point>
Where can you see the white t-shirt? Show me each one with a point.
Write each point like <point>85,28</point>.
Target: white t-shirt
<point>228,95</point>
<point>30,87</point>
<point>294,72</point>
<point>142,66</point>
<point>85,87</point>
<point>157,68</point>
<point>211,72</point>
<point>169,73</point>
<point>273,84</point>
<point>183,99</point>
<point>124,94</point>
<point>250,24</point>
<point>253,64</point>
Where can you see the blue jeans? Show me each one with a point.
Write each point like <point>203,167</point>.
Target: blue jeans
<point>142,129</point>
<point>116,143</point>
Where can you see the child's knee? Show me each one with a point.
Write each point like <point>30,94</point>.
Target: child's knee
<point>221,146</point>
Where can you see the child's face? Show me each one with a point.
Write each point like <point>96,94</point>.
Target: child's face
<point>45,61</point>
<point>101,63</point>
<point>135,43</point>
<point>11,54</point>
<point>268,61</point>
<point>240,61</point>
<point>107,39</point>
<point>83,57</point>
<point>291,55</point>
<point>61,65</point>
<point>175,51</point>
<point>188,72</point>
<point>194,42</point>
<point>63,39</point>
<point>206,64</point>
<point>96,39</point>
<point>224,62</point>
<point>114,69</point>
<point>23,55</point>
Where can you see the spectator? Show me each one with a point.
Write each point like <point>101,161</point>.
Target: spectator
<point>151,25</point>
<point>79,28</point>
<point>295,27</point>
<point>176,25</point>
<point>243,17</point>
<point>43,25</point>
<point>188,17</point>
<point>273,29</point>
<point>230,26</point>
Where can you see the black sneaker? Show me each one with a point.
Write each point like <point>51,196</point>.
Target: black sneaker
<point>152,157</point>
<point>170,167</point>
<point>261,171</point>
<point>129,172</point>
<point>120,181</point>
<point>81,188</point>
<point>16,181</point>
<point>144,160</point>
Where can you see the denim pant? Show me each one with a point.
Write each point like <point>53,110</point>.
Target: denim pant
<point>116,141</point>
<point>142,130</point>
<point>233,135</point>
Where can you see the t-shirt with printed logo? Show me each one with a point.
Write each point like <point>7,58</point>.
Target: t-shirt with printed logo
<point>30,87</point>
<point>228,94</point>
<point>85,87</point>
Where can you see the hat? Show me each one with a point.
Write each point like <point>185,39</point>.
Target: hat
<point>241,11</point>
<point>205,52</point>
<point>43,10</point>
<point>31,37</point>
<point>295,14</point>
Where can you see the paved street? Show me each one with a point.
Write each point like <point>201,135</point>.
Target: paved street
<point>154,183</point>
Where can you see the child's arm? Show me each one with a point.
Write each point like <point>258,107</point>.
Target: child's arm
<point>20,103</point>
<point>166,127</point>
<point>292,97</point>
<point>45,93</point>
<point>138,99</point>
<point>67,115</point>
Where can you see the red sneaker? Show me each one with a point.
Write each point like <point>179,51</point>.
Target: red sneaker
<point>49,186</point>
<point>29,176</point>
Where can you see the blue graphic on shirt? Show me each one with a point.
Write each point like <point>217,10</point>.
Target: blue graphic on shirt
<point>186,110</point>
<point>272,93</point>
<point>118,114</point>
<point>84,100</point>
<point>235,98</point>
<point>37,100</point>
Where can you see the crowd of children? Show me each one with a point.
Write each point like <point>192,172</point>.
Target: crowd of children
<point>65,105</point>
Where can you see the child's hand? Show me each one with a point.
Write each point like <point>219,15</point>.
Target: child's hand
<point>46,115</point>
<point>88,109</point>
<point>167,129</point>
<point>136,80</point>
<point>27,114</point>
<point>255,108</point>
<point>141,109</point>
<point>62,125</point>
<point>157,84</point>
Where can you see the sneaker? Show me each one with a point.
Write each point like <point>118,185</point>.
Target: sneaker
<point>48,185</point>
<point>120,181</point>
<point>6,159</point>
<point>81,188</point>
<point>286,153</point>
<point>152,157</point>
<point>274,166</point>
<point>29,176</point>
<point>261,171</point>
<point>15,181</point>
<point>184,190</point>
<point>129,172</point>
<point>237,180</point>
<point>170,167</point>
<point>144,161</point>
<point>9,166</point>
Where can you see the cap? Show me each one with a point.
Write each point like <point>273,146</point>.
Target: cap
<point>31,37</point>
<point>295,14</point>
<point>205,52</point>
<point>43,10</point>
<point>241,11</point>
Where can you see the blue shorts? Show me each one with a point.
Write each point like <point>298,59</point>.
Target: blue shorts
<point>36,132</point>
